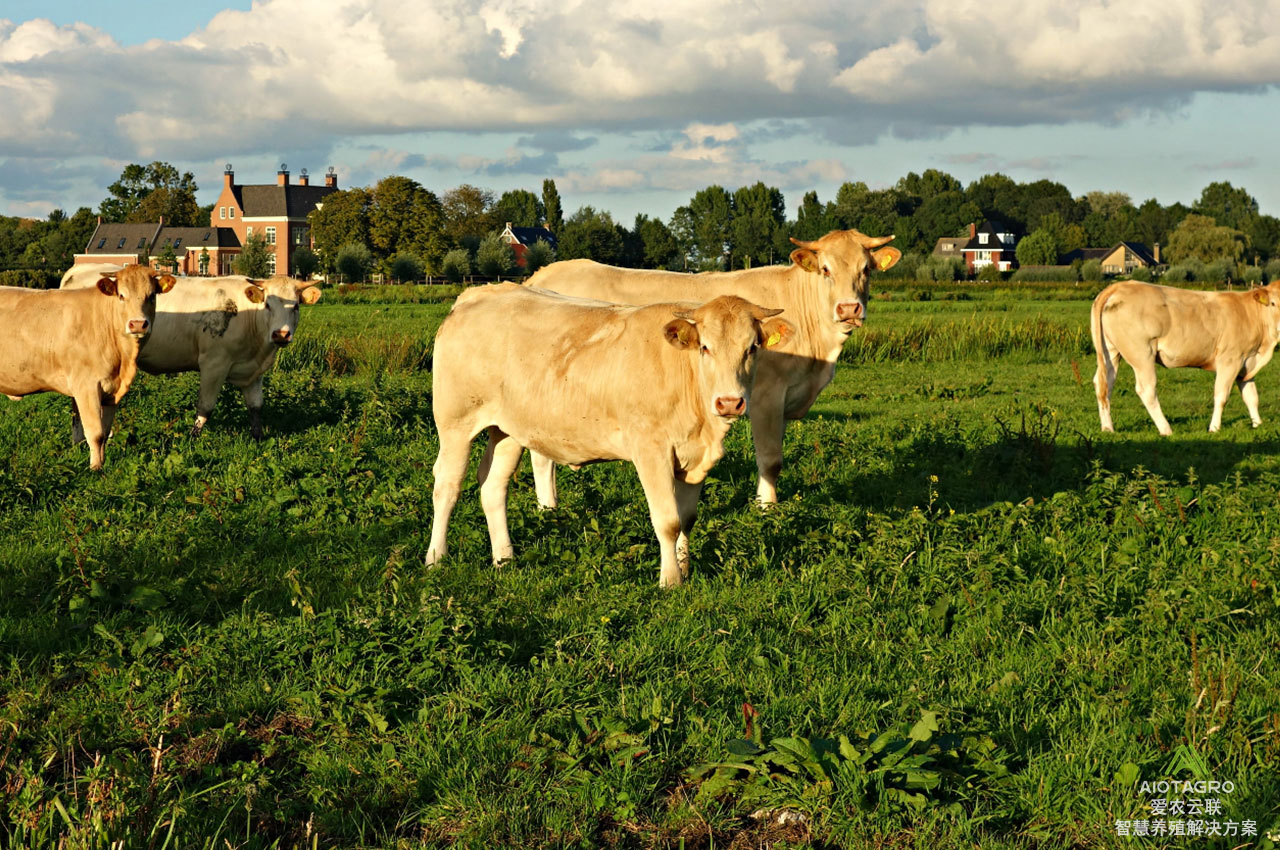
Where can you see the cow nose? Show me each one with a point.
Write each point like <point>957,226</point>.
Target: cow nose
<point>139,326</point>
<point>731,405</point>
<point>850,311</point>
<point>282,336</point>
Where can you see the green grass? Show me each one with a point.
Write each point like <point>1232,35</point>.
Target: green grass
<point>226,643</point>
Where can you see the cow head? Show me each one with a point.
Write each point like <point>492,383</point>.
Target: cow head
<point>135,287</point>
<point>843,260</point>
<point>1269,297</point>
<point>726,333</point>
<point>282,298</point>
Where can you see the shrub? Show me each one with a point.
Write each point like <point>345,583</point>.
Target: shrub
<point>1221,270</point>
<point>1272,269</point>
<point>28,279</point>
<point>353,261</point>
<point>494,257</point>
<point>456,265</point>
<point>1180,273</point>
<point>1253,276</point>
<point>405,267</point>
<point>1091,271</point>
<point>990,273</point>
<point>537,255</point>
<point>1044,274</point>
<point>305,263</point>
<point>1143,273</point>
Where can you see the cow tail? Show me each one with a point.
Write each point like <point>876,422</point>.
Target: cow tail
<point>1099,343</point>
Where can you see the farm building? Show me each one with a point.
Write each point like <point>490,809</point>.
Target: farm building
<point>990,242</point>
<point>1122,258</point>
<point>520,238</point>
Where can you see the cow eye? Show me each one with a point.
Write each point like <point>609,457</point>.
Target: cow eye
<point>706,350</point>
<point>826,271</point>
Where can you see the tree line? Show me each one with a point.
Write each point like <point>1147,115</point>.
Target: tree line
<point>403,229</point>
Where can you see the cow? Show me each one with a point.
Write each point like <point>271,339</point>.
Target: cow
<point>1232,333</point>
<point>82,343</point>
<point>226,328</point>
<point>582,381</point>
<point>824,293</point>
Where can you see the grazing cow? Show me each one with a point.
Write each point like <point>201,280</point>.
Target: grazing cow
<point>1232,333</point>
<point>226,328</point>
<point>824,293</point>
<point>83,344</point>
<point>583,381</point>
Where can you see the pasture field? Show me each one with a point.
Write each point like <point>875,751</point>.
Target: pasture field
<point>973,620</point>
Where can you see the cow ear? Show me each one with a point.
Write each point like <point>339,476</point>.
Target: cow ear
<point>165,282</point>
<point>776,332</point>
<point>311,295</point>
<point>255,294</point>
<point>805,259</point>
<point>1263,296</point>
<point>886,258</point>
<point>107,286</point>
<point>681,333</point>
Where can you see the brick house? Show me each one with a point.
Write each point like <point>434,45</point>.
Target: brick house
<point>277,211</point>
<point>989,243</point>
<point>520,238</point>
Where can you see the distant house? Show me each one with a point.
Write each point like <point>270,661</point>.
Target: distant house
<point>950,248</point>
<point>989,243</point>
<point>1123,258</point>
<point>279,212</point>
<point>520,238</point>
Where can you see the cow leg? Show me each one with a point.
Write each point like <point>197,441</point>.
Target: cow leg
<point>211,380</point>
<point>687,504</point>
<point>253,403</point>
<point>544,480</point>
<point>767,428</point>
<point>90,405</point>
<point>1144,380</point>
<point>1249,392</point>
<point>77,427</point>
<point>1222,382</point>
<point>1104,380</point>
<point>108,418</point>
<point>449,469</point>
<point>501,457</point>
<point>660,491</point>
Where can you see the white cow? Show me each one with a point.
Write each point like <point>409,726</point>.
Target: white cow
<point>226,328</point>
<point>582,381</point>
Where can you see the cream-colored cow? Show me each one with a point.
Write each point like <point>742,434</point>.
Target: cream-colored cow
<point>824,294</point>
<point>581,381</point>
<point>226,328</point>
<point>1232,333</point>
<point>83,344</point>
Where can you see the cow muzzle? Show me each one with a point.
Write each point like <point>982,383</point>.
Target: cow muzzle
<point>139,327</point>
<point>731,405</point>
<point>284,336</point>
<point>849,313</point>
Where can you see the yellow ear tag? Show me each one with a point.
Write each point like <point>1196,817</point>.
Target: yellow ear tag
<point>885,260</point>
<point>773,340</point>
<point>1262,296</point>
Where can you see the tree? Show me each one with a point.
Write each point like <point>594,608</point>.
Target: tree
<point>928,185</point>
<point>305,263</point>
<point>468,214</point>
<point>456,265</point>
<point>354,261</point>
<point>537,255</point>
<point>945,214</point>
<point>204,261</point>
<point>711,214</point>
<point>405,267</point>
<point>1039,248</point>
<point>254,257</point>
<point>814,219</point>
<point>591,235</point>
<point>551,208</point>
<point>759,212</point>
<point>168,259</point>
<point>520,207</point>
<point>658,248</point>
<point>495,257</point>
<point>1067,237</point>
<point>131,196</point>
<point>405,217</point>
<point>1200,237</point>
<point>340,220</point>
<point>1227,206</point>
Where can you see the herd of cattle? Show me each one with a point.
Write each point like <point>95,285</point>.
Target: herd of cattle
<point>585,362</point>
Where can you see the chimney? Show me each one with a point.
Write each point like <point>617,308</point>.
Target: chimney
<point>1155,253</point>
<point>282,176</point>
<point>973,229</point>
<point>331,178</point>
<point>228,177</point>
<point>303,178</point>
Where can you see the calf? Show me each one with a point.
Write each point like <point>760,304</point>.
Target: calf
<point>81,343</point>
<point>1232,333</point>
<point>226,328</point>
<point>582,381</point>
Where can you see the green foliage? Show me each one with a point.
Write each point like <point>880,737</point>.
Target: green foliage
<point>167,259</point>
<point>405,267</point>
<point>456,265</point>
<point>343,219</point>
<point>495,257</point>
<point>1143,273</point>
<point>254,256</point>
<point>305,262</point>
<point>406,218</point>
<point>989,273</point>
<point>591,235</point>
<point>353,262</point>
<point>658,246</point>
<point>1253,276</point>
<point>1048,273</point>
<point>1201,238</point>
<point>521,208</point>
<point>145,193</point>
<point>551,207</point>
<point>759,212</point>
<point>537,255</point>
<point>909,766</point>
<point>1091,271</point>
<point>28,279</point>
<point>468,214</point>
<point>1039,248</point>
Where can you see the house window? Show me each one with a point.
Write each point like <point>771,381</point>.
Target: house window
<point>982,239</point>
<point>271,236</point>
<point>299,236</point>
<point>222,212</point>
<point>207,234</point>
<point>101,242</point>
<point>177,243</point>
<point>227,262</point>
<point>231,212</point>
<point>248,231</point>
<point>271,263</point>
<point>204,263</point>
<point>121,245</point>
<point>142,243</point>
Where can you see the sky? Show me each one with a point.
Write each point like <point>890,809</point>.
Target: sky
<point>632,106</point>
